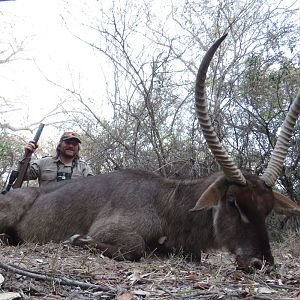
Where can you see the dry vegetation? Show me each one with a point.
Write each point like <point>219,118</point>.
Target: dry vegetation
<point>152,278</point>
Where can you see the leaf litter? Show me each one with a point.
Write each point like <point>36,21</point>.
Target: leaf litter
<point>56,271</point>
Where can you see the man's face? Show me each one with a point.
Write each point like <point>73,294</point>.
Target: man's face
<point>69,147</point>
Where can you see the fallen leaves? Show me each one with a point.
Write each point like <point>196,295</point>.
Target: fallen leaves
<point>151,278</point>
<point>9,296</point>
<point>126,296</point>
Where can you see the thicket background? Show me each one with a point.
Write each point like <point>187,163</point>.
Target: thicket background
<point>151,58</point>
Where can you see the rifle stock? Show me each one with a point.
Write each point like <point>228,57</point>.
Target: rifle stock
<point>24,163</point>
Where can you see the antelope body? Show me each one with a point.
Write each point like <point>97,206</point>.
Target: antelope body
<point>125,213</point>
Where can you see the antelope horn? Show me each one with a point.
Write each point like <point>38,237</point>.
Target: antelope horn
<point>229,168</point>
<point>275,164</point>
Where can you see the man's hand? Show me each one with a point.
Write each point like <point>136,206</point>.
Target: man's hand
<point>30,147</point>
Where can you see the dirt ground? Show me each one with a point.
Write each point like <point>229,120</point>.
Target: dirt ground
<point>54,271</point>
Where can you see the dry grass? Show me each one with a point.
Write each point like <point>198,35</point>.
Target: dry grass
<point>152,278</point>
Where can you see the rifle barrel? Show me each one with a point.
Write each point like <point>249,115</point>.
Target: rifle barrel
<point>38,133</point>
<point>25,162</point>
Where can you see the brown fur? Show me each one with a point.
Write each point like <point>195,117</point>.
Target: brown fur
<point>126,213</point>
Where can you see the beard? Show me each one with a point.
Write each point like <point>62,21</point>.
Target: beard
<point>69,152</point>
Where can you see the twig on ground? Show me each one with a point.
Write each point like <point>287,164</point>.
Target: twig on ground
<point>60,280</point>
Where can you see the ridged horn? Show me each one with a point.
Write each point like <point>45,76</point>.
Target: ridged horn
<point>229,168</point>
<point>279,153</point>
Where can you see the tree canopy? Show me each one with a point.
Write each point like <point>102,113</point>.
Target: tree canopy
<point>150,52</point>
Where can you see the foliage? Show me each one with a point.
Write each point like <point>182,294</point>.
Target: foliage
<point>251,83</point>
<point>10,152</point>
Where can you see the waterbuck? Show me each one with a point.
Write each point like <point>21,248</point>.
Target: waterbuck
<point>127,212</point>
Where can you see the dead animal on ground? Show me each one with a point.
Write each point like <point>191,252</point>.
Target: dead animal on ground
<point>126,213</point>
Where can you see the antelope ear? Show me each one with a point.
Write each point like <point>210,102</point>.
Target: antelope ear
<point>212,195</point>
<point>284,205</point>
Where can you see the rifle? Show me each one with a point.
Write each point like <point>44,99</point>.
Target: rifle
<point>16,178</point>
